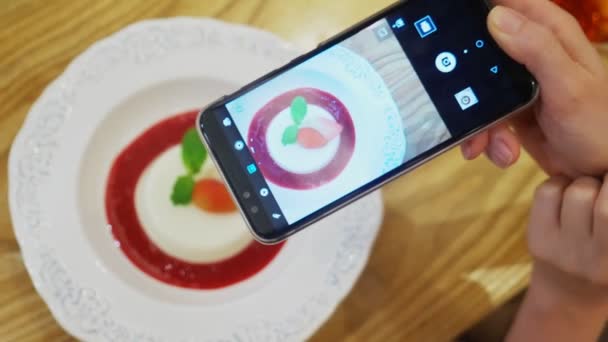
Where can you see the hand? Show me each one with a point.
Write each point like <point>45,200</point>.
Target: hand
<point>568,238</point>
<point>566,131</point>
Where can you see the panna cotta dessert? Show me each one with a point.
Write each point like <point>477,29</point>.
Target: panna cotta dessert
<point>207,230</point>
<point>172,216</point>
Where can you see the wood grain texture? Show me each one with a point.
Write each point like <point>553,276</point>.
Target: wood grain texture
<point>452,246</point>
<point>422,125</point>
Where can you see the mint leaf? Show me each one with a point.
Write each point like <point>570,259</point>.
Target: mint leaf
<point>290,136</point>
<point>182,190</point>
<point>299,108</point>
<point>193,151</point>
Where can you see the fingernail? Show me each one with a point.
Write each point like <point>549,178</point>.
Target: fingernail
<point>506,20</point>
<point>500,153</point>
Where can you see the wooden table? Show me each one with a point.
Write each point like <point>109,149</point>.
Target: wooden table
<point>452,247</point>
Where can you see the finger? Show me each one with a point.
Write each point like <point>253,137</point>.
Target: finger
<point>543,228</point>
<point>547,207</point>
<point>578,208</point>
<point>598,272</point>
<point>600,214</point>
<point>503,149</point>
<point>531,136</point>
<point>475,146</point>
<point>536,47</point>
<point>533,139</point>
<point>563,25</point>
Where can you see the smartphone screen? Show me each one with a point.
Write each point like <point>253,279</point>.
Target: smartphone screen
<point>359,110</point>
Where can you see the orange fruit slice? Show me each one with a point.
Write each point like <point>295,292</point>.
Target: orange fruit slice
<point>211,195</point>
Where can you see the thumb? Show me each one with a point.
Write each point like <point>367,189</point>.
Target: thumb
<point>533,45</point>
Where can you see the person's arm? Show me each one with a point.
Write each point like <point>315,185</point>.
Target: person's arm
<point>545,317</point>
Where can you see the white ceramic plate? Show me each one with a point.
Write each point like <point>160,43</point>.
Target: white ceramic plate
<point>58,168</point>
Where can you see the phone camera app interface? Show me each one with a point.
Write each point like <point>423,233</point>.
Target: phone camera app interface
<point>341,119</point>
<point>385,97</point>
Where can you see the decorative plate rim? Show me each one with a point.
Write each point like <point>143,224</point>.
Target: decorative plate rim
<point>32,154</point>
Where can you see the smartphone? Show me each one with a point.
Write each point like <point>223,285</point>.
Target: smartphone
<point>366,106</point>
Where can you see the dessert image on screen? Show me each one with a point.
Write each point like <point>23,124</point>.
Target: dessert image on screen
<point>338,121</point>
